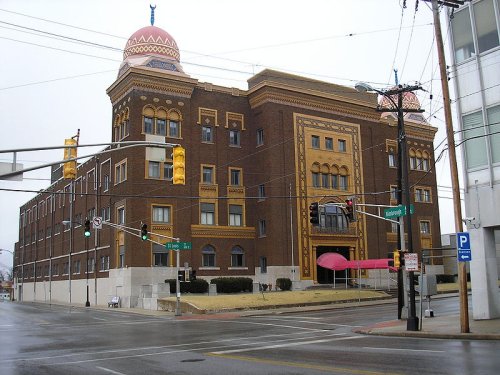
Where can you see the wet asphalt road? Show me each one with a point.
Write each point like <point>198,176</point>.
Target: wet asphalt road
<point>42,339</point>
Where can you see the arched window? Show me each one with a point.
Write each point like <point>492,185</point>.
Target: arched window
<point>333,219</point>
<point>425,161</point>
<point>344,178</point>
<point>335,177</point>
<point>148,114</point>
<point>325,176</point>
<point>208,256</point>
<point>315,173</point>
<point>174,124</point>
<point>161,122</point>
<point>237,257</point>
<point>413,159</point>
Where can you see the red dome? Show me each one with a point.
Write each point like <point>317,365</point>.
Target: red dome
<point>410,101</point>
<point>152,40</point>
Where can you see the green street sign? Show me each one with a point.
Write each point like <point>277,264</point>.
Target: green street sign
<point>393,212</point>
<point>179,245</point>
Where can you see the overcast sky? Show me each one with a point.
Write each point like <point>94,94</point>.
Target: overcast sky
<point>55,82</point>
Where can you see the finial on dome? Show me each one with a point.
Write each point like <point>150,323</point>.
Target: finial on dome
<point>152,14</point>
<point>396,76</point>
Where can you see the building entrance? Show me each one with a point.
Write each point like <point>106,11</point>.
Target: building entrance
<point>326,276</point>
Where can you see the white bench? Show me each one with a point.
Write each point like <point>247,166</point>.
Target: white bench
<point>114,301</point>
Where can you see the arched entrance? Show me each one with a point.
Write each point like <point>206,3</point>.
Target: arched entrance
<point>325,276</point>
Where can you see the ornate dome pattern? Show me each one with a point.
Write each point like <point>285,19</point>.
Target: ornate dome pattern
<point>152,40</point>
<point>410,101</point>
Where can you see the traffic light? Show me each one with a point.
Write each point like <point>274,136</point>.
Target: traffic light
<point>350,209</point>
<point>69,167</point>
<point>396,257</point>
<point>86,231</point>
<point>181,275</point>
<point>144,232</point>
<point>179,165</point>
<point>314,213</point>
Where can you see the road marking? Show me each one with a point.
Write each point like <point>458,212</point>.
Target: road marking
<point>405,350</point>
<point>312,322</point>
<point>289,344</point>
<point>110,371</point>
<point>6,325</point>
<point>308,366</point>
<point>275,325</point>
<point>104,320</point>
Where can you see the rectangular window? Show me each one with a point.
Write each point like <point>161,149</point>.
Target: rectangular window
<point>329,143</point>
<point>235,215</point>
<point>237,258</point>
<point>161,214</point>
<point>394,192</point>
<point>104,263</point>
<point>65,268</point>
<point>342,145</point>
<point>207,175</point>
<point>263,264</point>
<point>394,227</point>
<point>120,172</point>
<point>160,256</point>
<point>106,213</point>
<point>475,143</point>
<point>168,170</point>
<point>262,228</point>
<point>106,182</point>
<point>57,228</point>
<point>90,265</point>
<point>315,179</point>
<point>234,138</point>
<point>419,195</point>
<point>260,137</point>
<point>161,127</point>
<point>392,160</point>
<point>262,191</point>
<point>121,257</point>
<point>206,134</point>
<point>235,177</point>
<point>48,232</point>
<point>315,141</point>
<point>120,213</point>
<point>207,211</point>
<point>148,125</point>
<point>173,129</point>
<point>462,35</point>
<point>425,227</point>
<point>486,25</point>
<point>153,169</point>
<point>494,130</point>
<point>208,257</point>
<point>325,180</point>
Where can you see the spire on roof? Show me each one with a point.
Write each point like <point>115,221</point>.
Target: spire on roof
<point>152,14</point>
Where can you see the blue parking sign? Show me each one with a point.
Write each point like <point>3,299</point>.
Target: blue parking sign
<point>463,247</point>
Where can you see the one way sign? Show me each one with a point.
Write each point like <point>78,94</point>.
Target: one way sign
<point>463,247</point>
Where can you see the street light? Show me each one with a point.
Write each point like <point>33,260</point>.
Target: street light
<point>412,322</point>
<point>87,235</point>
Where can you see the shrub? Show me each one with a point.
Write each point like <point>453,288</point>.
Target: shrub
<point>232,284</point>
<point>195,286</point>
<point>284,283</point>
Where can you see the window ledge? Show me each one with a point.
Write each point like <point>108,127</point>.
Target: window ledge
<point>237,268</point>
<point>209,268</point>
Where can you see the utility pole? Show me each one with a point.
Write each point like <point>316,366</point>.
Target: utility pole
<point>455,185</point>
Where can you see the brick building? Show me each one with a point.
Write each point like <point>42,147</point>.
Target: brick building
<point>255,160</point>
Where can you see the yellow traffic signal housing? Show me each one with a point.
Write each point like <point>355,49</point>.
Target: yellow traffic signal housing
<point>396,256</point>
<point>69,168</point>
<point>179,165</point>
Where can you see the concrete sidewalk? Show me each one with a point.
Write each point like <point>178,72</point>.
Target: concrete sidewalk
<point>442,327</point>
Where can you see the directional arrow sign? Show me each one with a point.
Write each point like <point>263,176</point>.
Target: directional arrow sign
<point>463,246</point>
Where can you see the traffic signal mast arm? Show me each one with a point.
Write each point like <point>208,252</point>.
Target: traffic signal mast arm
<point>130,230</point>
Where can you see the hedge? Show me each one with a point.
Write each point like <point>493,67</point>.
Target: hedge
<point>284,283</point>
<point>195,286</point>
<point>233,284</point>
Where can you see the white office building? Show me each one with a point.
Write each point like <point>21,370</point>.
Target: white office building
<point>475,60</point>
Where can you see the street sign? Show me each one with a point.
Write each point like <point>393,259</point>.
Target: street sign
<point>411,261</point>
<point>179,245</point>
<point>97,222</point>
<point>397,211</point>
<point>463,247</point>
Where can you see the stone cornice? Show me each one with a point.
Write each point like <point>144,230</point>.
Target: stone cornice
<point>152,81</point>
<point>326,104</point>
